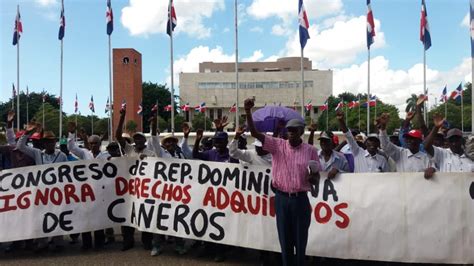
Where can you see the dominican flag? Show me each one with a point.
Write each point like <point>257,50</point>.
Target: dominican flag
<point>353,104</point>
<point>13,90</point>
<point>107,106</point>
<point>171,19</point>
<point>167,108</point>
<point>457,93</point>
<point>109,18</point>
<point>233,108</point>
<point>444,95</point>
<point>372,102</point>
<point>18,29</point>
<point>370,26</point>
<point>472,28</point>
<point>124,105</point>
<point>425,36</point>
<point>308,106</point>
<point>154,108</point>
<point>62,24</point>
<point>91,104</point>
<point>324,107</point>
<point>340,105</point>
<point>76,105</point>
<point>304,24</point>
<point>200,108</point>
<point>140,109</point>
<point>185,107</point>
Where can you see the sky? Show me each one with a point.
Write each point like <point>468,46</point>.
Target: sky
<point>268,29</point>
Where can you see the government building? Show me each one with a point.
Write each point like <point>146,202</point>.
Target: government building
<point>269,83</point>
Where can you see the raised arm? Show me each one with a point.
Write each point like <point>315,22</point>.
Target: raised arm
<point>419,117</point>
<point>83,154</point>
<point>221,123</point>
<point>155,139</point>
<point>234,150</point>
<point>311,129</point>
<point>21,145</point>
<point>188,153</point>
<point>10,133</point>
<point>437,124</point>
<point>248,105</point>
<point>119,130</point>
<point>196,153</point>
<point>350,139</point>
<point>391,150</point>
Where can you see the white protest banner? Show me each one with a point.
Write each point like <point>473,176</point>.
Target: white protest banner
<point>388,217</point>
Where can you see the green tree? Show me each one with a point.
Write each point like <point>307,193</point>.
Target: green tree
<point>131,126</point>
<point>198,122</point>
<point>156,93</point>
<point>51,118</point>
<point>411,103</point>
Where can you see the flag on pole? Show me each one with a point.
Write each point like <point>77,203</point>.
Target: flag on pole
<point>44,97</point>
<point>200,108</point>
<point>353,104</point>
<point>18,30</point>
<point>76,105</point>
<point>167,108</point>
<point>109,18</point>
<point>372,102</point>
<point>457,93</point>
<point>91,104</point>
<point>154,108</point>
<point>13,90</point>
<point>62,24</point>
<point>171,19</point>
<point>370,25</point>
<point>472,28</point>
<point>340,105</point>
<point>425,36</point>
<point>309,106</point>
<point>233,108</point>
<point>107,106</point>
<point>124,105</point>
<point>185,107</point>
<point>324,107</point>
<point>140,109</point>
<point>304,24</point>
<point>444,95</point>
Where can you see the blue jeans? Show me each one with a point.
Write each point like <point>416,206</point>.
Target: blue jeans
<point>293,217</point>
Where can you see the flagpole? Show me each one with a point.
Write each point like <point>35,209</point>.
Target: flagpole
<point>446,108</point>
<point>236,65</point>
<point>424,80</point>
<point>462,110</point>
<point>44,126</point>
<point>61,83</point>
<point>92,123</point>
<point>171,65</point>
<point>327,117</point>
<point>27,100</point>
<point>375,111</point>
<point>302,83</point>
<point>346,115</point>
<point>359,112</point>
<point>368,92</point>
<point>111,134</point>
<point>18,73</point>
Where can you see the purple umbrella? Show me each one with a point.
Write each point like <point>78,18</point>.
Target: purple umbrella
<point>267,118</point>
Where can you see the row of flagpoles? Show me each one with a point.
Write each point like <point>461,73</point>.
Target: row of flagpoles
<point>425,38</point>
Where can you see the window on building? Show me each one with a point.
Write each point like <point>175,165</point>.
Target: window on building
<point>254,69</point>
<point>219,113</point>
<point>211,114</point>
<point>126,60</point>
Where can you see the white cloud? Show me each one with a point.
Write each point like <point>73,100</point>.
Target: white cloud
<point>47,3</point>
<point>465,22</point>
<point>143,17</point>
<point>287,12</point>
<point>395,86</point>
<point>256,56</point>
<point>337,45</point>
<point>257,29</point>
<point>226,29</point>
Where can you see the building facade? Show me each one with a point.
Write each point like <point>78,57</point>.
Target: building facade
<point>270,83</point>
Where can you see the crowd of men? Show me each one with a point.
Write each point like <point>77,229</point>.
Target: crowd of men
<point>296,166</point>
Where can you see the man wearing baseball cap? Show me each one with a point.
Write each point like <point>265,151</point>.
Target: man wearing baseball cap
<point>332,161</point>
<point>453,159</point>
<point>409,159</point>
<point>295,165</point>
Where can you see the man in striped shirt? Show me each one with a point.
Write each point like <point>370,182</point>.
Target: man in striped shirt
<point>291,179</point>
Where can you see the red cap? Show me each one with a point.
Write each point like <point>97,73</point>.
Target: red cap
<point>414,133</point>
<point>36,135</point>
<point>19,134</point>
